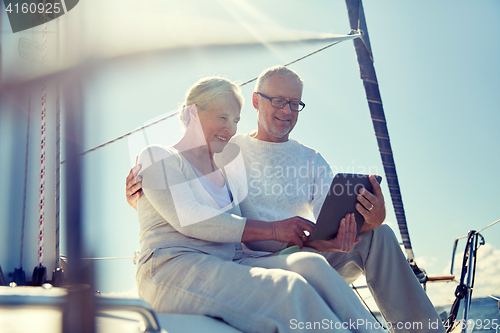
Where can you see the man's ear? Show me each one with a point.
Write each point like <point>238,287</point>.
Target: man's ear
<point>255,101</point>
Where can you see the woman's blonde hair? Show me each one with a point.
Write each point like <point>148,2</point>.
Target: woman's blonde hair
<point>204,92</point>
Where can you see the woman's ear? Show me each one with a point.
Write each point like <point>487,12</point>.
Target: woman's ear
<point>193,111</point>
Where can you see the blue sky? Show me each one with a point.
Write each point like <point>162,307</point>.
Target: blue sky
<point>438,80</point>
<point>437,68</point>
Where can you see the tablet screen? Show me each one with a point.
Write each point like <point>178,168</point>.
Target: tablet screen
<point>341,200</point>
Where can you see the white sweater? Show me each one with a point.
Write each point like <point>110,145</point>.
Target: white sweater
<point>284,179</point>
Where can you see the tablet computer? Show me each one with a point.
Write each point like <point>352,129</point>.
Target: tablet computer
<point>341,200</point>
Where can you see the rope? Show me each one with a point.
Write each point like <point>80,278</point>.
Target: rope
<point>462,289</point>
<point>41,220</point>
<point>176,112</point>
<point>42,179</point>
<point>25,180</point>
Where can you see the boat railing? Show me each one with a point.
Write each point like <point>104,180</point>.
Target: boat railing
<point>467,277</point>
<point>50,297</point>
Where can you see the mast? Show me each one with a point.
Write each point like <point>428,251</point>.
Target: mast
<point>367,71</point>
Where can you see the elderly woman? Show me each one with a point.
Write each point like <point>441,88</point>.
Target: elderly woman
<point>195,214</point>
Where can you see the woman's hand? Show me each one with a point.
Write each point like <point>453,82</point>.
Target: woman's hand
<point>292,230</point>
<point>343,242</point>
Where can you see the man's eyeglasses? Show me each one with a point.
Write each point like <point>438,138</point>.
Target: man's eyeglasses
<point>280,103</point>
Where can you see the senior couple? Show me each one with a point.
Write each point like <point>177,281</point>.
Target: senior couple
<point>195,209</point>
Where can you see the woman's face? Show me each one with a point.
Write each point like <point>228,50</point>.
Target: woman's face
<point>220,122</point>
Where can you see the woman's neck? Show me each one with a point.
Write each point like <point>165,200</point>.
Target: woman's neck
<point>199,156</point>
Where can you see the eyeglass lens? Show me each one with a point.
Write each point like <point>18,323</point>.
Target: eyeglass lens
<point>280,103</point>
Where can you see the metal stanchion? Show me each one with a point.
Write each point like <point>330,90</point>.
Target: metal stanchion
<point>78,316</point>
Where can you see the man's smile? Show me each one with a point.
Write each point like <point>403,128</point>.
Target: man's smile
<point>284,120</point>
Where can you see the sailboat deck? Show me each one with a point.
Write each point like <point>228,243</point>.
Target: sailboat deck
<point>26,309</point>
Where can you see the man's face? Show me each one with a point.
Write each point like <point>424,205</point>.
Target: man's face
<point>275,124</point>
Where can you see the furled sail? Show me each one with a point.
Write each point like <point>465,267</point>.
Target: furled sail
<point>367,71</point>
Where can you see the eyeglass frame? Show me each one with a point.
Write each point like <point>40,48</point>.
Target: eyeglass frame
<point>287,102</point>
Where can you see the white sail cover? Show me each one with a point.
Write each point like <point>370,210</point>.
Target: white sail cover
<point>95,30</point>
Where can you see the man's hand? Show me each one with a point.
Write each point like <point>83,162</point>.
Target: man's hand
<point>343,242</point>
<point>371,206</point>
<point>133,187</point>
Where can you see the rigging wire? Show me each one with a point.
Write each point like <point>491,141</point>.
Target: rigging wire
<point>461,237</point>
<point>108,258</point>
<point>366,305</point>
<point>125,135</point>
<point>480,292</point>
<point>488,226</point>
<point>25,179</point>
<point>303,57</point>
<point>58,175</point>
<point>176,112</point>
<point>134,257</point>
<point>58,152</point>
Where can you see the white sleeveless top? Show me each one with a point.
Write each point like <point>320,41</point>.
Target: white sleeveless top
<point>221,195</point>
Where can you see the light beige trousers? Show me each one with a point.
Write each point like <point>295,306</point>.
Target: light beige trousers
<point>397,292</point>
<point>297,292</point>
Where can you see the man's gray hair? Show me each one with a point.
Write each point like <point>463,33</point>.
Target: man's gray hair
<point>264,77</point>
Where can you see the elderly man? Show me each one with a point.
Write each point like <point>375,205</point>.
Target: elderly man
<point>286,179</point>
